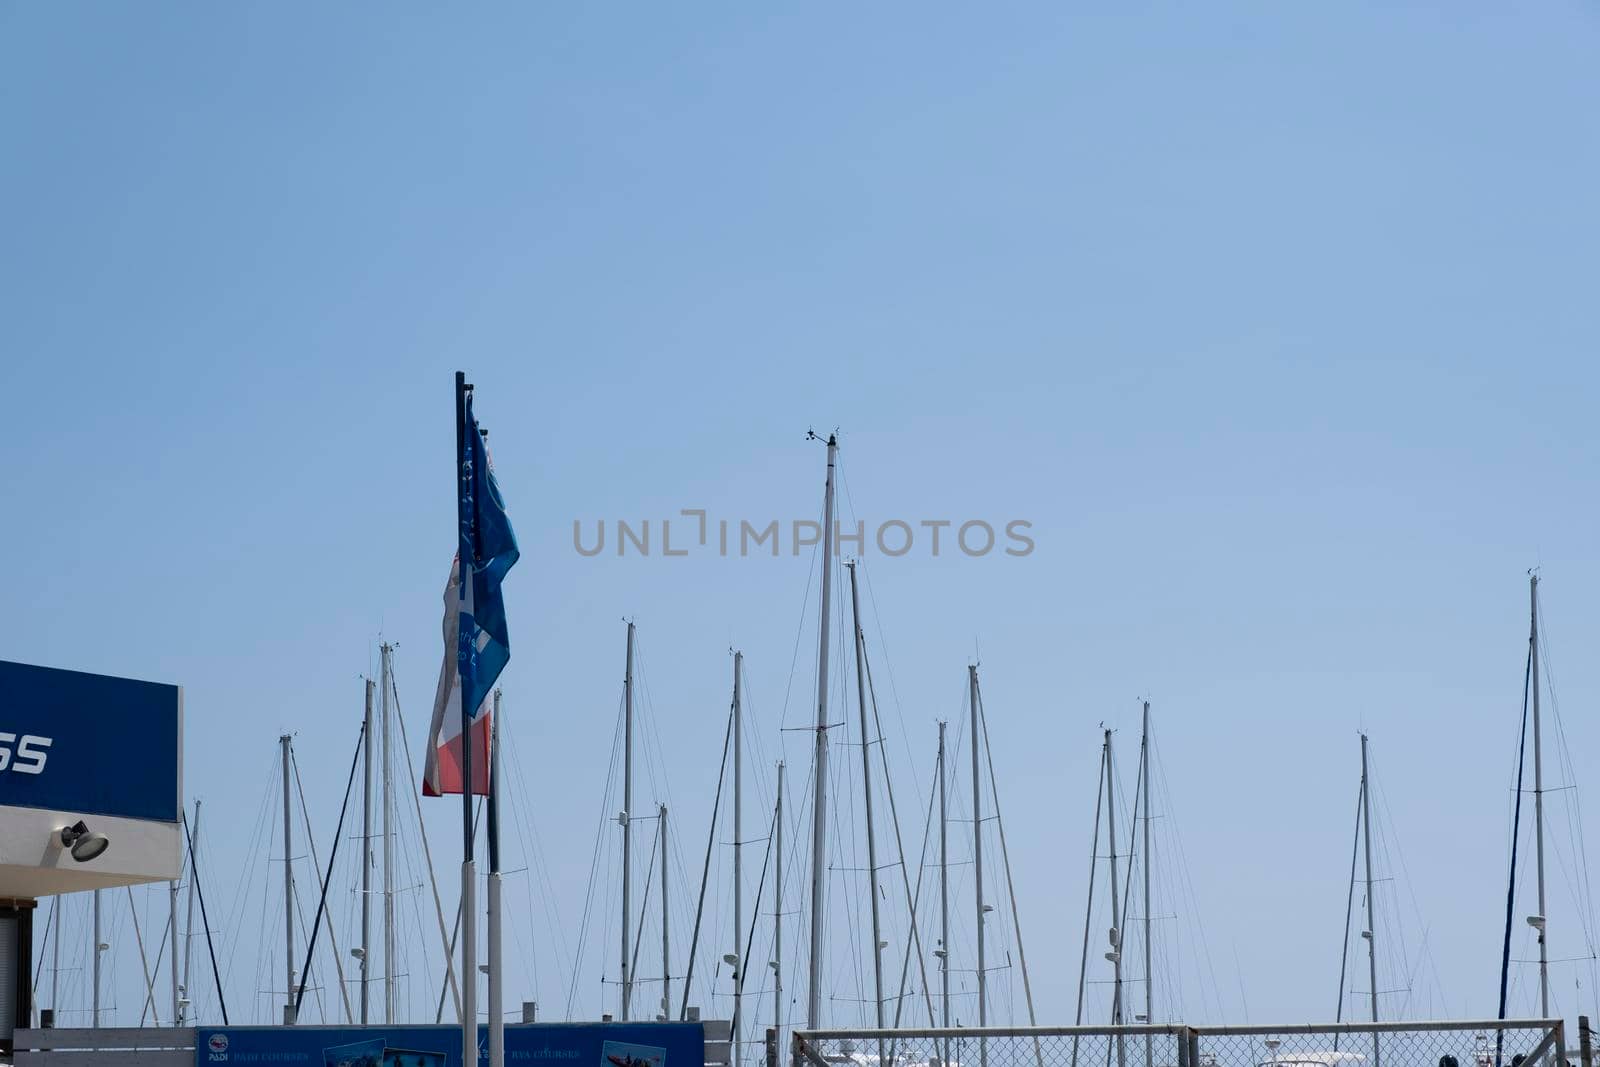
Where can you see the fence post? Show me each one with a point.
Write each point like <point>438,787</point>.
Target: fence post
<point>1192,1043</point>
<point>772,1046</point>
<point>1585,1042</point>
<point>1561,1044</point>
<point>1183,1047</point>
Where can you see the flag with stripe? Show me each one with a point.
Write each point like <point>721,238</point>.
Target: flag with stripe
<point>476,643</point>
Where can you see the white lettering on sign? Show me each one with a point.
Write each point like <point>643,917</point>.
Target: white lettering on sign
<point>29,755</point>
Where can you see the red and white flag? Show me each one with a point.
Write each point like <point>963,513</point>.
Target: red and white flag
<point>443,771</point>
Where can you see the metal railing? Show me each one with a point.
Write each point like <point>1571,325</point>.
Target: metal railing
<point>1470,1043</point>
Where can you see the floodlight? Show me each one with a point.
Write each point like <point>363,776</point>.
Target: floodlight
<point>84,842</point>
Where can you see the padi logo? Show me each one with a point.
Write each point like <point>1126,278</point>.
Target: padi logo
<point>218,1045</point>
<point>28,756</point>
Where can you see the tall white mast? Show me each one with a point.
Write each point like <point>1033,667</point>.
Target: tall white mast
<point>1149,979</point>
<point>866,786</point>
<point>977,843</point>
<point>666,953</point>
<point>367,745</point>
<point>55,963</point>
<point>94,1012</point>
<point>777,912</point>
<point>1538,794</point>
<point>738,855</point>
<point>944,887</point>
<point>1371,933</point>
<point>288,893</point>
<point>819,805</point>
<point>384,685</point>
<point>1115,955</point>
<point>172,940</point>
<point>626,818</point>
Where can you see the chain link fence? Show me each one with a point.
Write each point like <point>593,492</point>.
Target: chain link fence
<point>1510,1043</point>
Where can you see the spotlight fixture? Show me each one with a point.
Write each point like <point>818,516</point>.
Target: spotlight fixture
<point>84,842</point>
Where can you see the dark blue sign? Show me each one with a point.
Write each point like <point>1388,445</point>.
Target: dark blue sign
<point>533,1045</point>
<point>86,744</point>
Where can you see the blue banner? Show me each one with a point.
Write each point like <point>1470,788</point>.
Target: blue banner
<point>87,744</point>
<point>534,1045</point>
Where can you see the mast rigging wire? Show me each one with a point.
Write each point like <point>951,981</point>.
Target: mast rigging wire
<point>305,815</point>
<point>194,865</point>
<point>1005,861</point>
<point>1349,907</point>
<point>1088,910</point>
<point>705,873</point>
<point>594,860</point>
<point>422,829</point>
<point>1511,881</point>
<point>322,900</point>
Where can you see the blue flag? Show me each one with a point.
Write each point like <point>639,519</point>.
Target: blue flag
<point>489,543</point>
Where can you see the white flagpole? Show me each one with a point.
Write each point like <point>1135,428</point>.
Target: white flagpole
<point>497,1022</point>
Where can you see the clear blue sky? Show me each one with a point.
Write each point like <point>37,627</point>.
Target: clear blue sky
<point>1276,321</point>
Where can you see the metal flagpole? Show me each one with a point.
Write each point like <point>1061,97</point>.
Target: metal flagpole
<point>626,818</point>
<point>465,449</point>
<point>497,1021</point>
<point>819,805</point>
<point>288,893</point>
<point>366,850</point>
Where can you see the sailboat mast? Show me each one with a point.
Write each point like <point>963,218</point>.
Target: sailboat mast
<point>819,803</point>
<point>944,887</point>
<point>977,842</point>
<point>1116,897</point>
<point>288,892</point>
<point>366,851</point>
<point>1538,794</point>
<point>1149,978</point>
<point>55,961</point>
<point>666,950</point>
<point>1372,933</point>
<point>172,940</point>
<point>385,684</point>
<point>626,819</point>
<point>738,852</point>
<point>866,786</point>
<point>777,912</point>
<point>94,1012</point>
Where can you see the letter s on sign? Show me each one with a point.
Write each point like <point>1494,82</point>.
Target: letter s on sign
<point>31,754</point>
<point>5,750</point>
